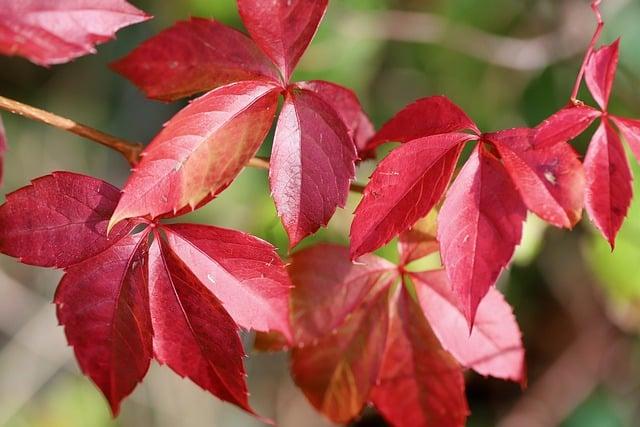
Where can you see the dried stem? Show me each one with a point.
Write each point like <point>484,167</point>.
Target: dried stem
<point>595,5</point>
<point>129,150</point>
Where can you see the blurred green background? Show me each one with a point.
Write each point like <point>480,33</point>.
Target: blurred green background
<point>507,63</point>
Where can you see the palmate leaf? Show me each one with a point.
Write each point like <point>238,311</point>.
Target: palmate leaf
<point>121,302</point>
<point>54,32</point>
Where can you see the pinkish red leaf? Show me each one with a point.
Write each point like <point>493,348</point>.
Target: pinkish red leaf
<point>420,240</point>
<point>59,220</point>
<point>337,372</point>
<point>193,334</point>
<point>405,186</point>
<point>425,117</point>
<point>312,164</point>
<point>242,271</point>
<point>328,287</point>
<point>194,56</point>
<point>345,102</point>
<point>495,345</point>
<point>564,125</point>
<point>549,178</point>
<point>3,149</point>
<point>479,226</point>
<point>609,192</point>
<point>420,385</point>
<point>103,304</point>
<point>54,32</point>
<point>283,28</point>
<point>200,151</point>
<point>630,130</point>
<point>601,72</point>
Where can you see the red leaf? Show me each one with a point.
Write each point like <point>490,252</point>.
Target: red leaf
<point>243,272</point>
<point>425,117</point>
<point>282,28</point>
<point>609,192</point>
<point>54,32</point>
<point>104,306</point>
<point>312,164</point>
<point>549,178</point>
<point>601,72</point>
<point>420,384</point>
<point>337,372</point>
<point>59,220</point>
<point>194,56</point>
<point>3,149</point>
<point>495,344</point>
<point>200,151</point>
<point>193,334</point>
<point>328,288</point>
<point>630,130</point>
<point>420,240</point>
<point>564,125</point>
<point>345,102</point>
<point>480,225</point>
<point>405,186</point>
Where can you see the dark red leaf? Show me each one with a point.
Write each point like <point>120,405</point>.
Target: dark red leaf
<point>194,56</point>
<point>479,226</point>
<point>53,32</point>
<point>549,178</point>
<point>103,304</point>
<point>601,72</point>
<point>564,125</point>
<point>200,151</point>
<point>630,130</point>
<point>312,164</point>
<point>425,117</point>
<point>283,28</point>
<point>337,372</point>
<point>59,220</point>
<point>243,272</point>
<point>405,186</point>
<point>608,181</point>
<point>328,287</point>
<point>345,102</point>
<point>193,334</point>
<point>420,240</point>
<point>420,384</point>
<point>495,344</point>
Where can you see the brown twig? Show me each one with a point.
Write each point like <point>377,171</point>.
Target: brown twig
<point>130,150</point>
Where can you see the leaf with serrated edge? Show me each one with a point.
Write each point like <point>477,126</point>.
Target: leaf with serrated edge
<point>600,72</point>
<point>564,125</point>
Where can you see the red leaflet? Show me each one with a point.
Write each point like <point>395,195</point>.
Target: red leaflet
<point>564,125</point>
<point>420,384</point>
<point>329,288</point>
<point>243,272</point>
<point>282,28</point>
<point>66,221</point>
<point>630,130</point>
<point>609,192</point>
<point>480,224</point>
<point>3,149</point>
<point>312,164</point>
<point>549,178</point>
<point>425,117</point>
<point>338,371</point>
<point>601,72</point>
<point>53,32</point>
<point>200,151</point>
<point>103,303</point>
<point>495,345</point>
<point>345,102</point>
<point>194,56</point>
<point>405,186</point>
<point>193,334</point>
<point>122,304</point>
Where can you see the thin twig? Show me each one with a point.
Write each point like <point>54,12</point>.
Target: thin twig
<point>130,150</point>
<point>595,5</point>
